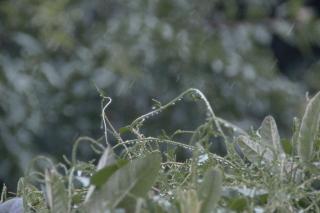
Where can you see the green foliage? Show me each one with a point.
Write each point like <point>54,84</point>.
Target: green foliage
<point>309,129</point>
<point>210,190</point>
<point>56,194</point>
<point>101,176</point>
<point>270,136</point>
<point>55,53</point>
<point>253,150</point>
<point>189,201</point>
<point>127,184</point>
<point>146,177</point>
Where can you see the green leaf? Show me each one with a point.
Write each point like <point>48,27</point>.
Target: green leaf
<point>128,183</point>
<point>238,204</point>
<point>210,190</point>
<point>253,150</point>
<point>287,146</point>
<point>124,130</point>
<point>270,136</point>
<point>188,201</point>
<point>106,159</point>
<point>101,176</point>
<point>309,129</point>
<point>56,192</point>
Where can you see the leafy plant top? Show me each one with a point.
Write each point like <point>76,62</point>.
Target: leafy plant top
<point>217,167</point>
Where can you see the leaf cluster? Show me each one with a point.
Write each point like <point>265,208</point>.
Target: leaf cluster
<point>256,171</point>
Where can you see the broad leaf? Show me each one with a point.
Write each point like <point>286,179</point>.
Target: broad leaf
<point>188,201</point>
<point>270,136</point>
<point>127,184</point>
<point>56,193</point>
<point>101,176</point>
<point>106,159</point>
<point>308,129</point>
<point>14,205</point>
<point>253,151</point>
<point>210,190</point>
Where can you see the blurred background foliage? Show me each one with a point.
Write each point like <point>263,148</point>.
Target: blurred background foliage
<point>250,57</point>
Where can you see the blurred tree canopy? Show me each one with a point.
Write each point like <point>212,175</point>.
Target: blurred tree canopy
<point>250,57</point>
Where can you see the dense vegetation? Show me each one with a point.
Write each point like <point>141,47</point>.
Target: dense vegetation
<point>251,57</point>
<point>228,169</point>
